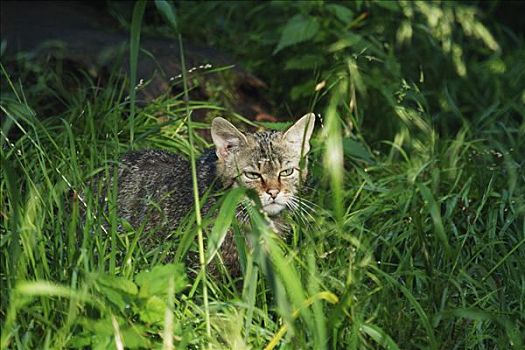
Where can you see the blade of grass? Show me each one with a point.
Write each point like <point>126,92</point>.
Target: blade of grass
<point>333,158</point>
<point>434,211</point>
<point>380,336</point>
<point>168,11</point>
<point>326,296</point>
<point>136,23</point>
<point>198,217</point>
<point>415,304</point>
<point>223,221</point>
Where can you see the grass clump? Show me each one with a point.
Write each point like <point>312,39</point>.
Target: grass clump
<point>412,236</point>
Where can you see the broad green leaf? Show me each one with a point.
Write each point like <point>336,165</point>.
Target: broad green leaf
<point>81,341</point>
<point>118,283</point>
<point>343,13</point>
<point>118,290</point>
<point>101,327</point>
<point>153,311</point>
<point>133,339</point>
<point>114,296</point>
<point>298,29</point>
<point>155,282</point>
<point>100,333</point>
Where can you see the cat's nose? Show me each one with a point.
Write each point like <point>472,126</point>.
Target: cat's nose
<point>273,192</point>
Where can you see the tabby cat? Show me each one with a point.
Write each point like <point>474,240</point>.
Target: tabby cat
<point>156,189</point>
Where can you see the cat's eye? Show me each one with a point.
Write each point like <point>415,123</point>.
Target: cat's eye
<point>286,172</point>
<point>251,175</point>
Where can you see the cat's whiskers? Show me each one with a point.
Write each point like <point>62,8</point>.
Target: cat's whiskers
<point>242,214</point>
<point>245,218</point>
<point>304,204</point>
<point>296,212</point>
<point>304,214</point>
<point>303,207</point>
<point>308,203</point>
<point>303,210</point>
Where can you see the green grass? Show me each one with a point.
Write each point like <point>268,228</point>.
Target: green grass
<point>412,241</point>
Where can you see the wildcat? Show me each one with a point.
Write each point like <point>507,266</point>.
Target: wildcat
<point>155,187</point>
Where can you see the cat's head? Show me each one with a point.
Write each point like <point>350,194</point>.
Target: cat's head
<point>270,162</point>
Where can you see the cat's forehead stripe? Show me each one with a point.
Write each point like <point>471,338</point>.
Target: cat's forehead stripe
<point>265,146</point>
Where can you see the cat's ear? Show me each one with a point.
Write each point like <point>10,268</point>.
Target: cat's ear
<point>226,137</point>
<point>298,135</point>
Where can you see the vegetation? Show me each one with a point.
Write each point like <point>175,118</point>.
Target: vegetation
<point>414,231</point>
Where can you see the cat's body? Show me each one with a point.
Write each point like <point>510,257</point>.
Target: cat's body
<point>155,188</point>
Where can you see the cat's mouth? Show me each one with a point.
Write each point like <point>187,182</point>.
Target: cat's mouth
<point>273,208</point>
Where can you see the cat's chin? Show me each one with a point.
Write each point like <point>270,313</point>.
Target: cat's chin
<point>273,208</point>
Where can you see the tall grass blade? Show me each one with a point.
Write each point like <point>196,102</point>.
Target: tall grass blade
<point>134,47</point>
<point>333,158</point>
<point>224,220</point>
<point>168,12</point>
<point>416,305</point>
<point>198,217</point>
<point>379,336</point>
<point>435,214</point>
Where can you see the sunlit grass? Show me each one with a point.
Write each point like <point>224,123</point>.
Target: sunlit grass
<point>423,252</point>
<point>412,242</point>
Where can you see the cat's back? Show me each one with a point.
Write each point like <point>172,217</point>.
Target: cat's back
<point>152,161</point>
<point>154,185</point>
